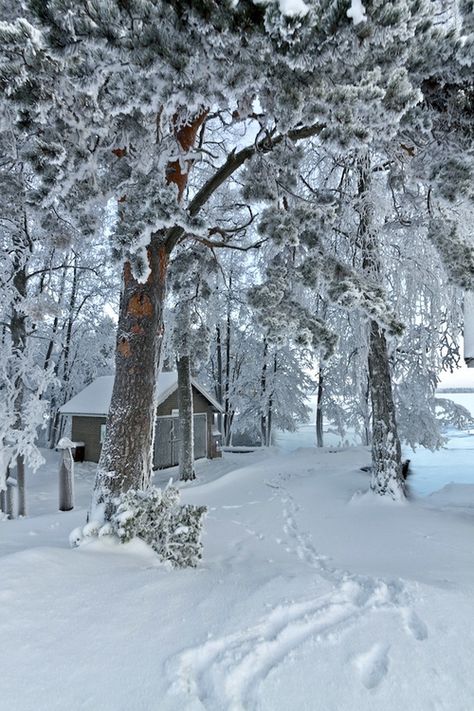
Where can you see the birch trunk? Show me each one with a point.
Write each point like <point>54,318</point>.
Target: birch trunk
<point>319,411</point>
<point>19,336</point>
<point>186,420</point>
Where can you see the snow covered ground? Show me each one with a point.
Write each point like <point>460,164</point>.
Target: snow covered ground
<point>311,596</point>
<point>430,470</point>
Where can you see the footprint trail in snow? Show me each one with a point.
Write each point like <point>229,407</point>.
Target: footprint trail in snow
<point>224,674</point>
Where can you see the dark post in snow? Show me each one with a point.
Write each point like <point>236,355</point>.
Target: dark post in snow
<point>186,419</point>
<point>66,475</point>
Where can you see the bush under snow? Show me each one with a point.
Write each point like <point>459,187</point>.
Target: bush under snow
<point>155,516</point>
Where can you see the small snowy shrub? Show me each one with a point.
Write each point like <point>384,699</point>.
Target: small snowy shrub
<point>157,517</point>
<point>171,529</point>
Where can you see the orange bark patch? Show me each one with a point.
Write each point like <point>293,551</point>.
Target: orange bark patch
<point>175,175</point>
<point>137,330</point>
<point>124,348</point>
<point>186,136</point>
<point>140,306</point>
<point>119,152</point>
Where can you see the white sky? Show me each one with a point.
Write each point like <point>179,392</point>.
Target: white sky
<point>461,378</point>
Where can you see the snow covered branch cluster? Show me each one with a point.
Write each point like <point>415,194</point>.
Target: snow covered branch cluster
<point>156,517</point>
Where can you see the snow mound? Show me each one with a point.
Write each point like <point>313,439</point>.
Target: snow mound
<point>458,495</point>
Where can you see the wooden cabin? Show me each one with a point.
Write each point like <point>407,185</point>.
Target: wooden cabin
<point>88,410</point>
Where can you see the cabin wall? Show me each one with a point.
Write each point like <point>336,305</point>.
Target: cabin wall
<point>87,430</point>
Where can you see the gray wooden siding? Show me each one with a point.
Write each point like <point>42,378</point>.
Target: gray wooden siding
<point>87,430</point>
<point>200,404</point>
<point>168,438</point>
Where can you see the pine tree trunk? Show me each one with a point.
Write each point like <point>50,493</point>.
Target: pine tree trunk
<point>126,457</point>
<point>387,476</point>
<point>186,421</point>
<point>319,411</point>
<point>19,336</point>
<point>387,479</point>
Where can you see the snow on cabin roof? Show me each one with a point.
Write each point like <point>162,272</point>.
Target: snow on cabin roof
<point>94,400</point>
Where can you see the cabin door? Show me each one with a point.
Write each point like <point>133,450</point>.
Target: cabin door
<point>167,440</point>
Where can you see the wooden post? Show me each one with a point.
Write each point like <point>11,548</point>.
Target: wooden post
<point>66,475</point>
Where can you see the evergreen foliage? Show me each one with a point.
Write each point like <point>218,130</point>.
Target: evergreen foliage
<point>155,516</point>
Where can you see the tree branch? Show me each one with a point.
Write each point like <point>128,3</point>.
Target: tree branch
<point>236,160</point>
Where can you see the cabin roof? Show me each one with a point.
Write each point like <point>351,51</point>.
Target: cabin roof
<point>94,400</point>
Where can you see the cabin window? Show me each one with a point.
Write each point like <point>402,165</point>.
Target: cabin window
<point>175,413</point>
<point>102,433</point>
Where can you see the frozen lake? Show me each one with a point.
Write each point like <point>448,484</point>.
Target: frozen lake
<point>431,470</point>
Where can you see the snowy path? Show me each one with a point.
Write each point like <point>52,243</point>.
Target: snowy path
<point>225,673</point>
